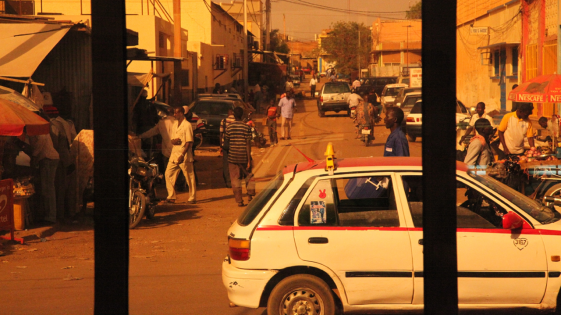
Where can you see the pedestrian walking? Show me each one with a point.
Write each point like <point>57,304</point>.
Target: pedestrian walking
<point>287,106</point>
<point>396,144</point>
<point>288,86</point>
<point>181,157</point>
<point>224,150</point>
<point>514,127</point>
<point>479,150</point>
<point>238,140</point>
<point>272,114</point>
<point>313,83</point>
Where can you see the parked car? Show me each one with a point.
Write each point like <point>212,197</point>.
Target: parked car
<point>374,86</point>
<point>352,241</point>
<point>229,96</point>
<point>409,100</point>
<point>333,97</point>
<point>414,122</point>
<point>307,70</point>
<point>213,110</point>
<point>389,94</point>
<point>295,80</point>
<point>399,98</point>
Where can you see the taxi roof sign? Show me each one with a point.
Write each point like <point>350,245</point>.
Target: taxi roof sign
<point>330,159</point>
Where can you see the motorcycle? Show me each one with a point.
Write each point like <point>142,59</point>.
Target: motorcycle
<point>366,131</point>
<point>199,129</point>
<point>257,137</point>
<point>146,188</point>
<point>352,110</point>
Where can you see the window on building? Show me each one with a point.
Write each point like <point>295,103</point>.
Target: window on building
<point>531,61</point>
<point>184,77</point>
<point>497,62</point>
<point>515,61</point>
<point>162,40</point>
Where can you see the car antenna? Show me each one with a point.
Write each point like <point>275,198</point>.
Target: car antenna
<point>305,156</point>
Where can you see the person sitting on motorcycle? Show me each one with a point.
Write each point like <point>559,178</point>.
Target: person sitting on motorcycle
<point>354,99</point>
<point>479,151</point>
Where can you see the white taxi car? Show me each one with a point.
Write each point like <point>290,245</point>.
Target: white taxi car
<point>350,239</point>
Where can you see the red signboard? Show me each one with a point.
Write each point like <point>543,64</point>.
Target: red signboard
<point>7,209</point>
<point>6,204</point>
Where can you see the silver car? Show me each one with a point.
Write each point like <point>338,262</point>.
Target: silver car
<point>333,97</point>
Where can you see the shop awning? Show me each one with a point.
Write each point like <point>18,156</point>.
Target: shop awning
<point>141,79</point>
<point>497,45</point>
<point>25,45</point>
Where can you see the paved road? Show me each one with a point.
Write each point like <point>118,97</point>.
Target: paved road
<point>175,260</point>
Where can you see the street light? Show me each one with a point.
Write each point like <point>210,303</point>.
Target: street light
<point>407,48</point>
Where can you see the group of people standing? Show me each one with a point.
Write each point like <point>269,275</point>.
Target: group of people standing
<point>513,131</point>
<point>177,150</point>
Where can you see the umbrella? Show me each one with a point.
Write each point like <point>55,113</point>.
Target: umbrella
<point>13,118</point>
<point>542,89</point>
<point>11,95</point>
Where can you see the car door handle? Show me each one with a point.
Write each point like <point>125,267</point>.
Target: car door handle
<point>318,240</point>
<point>421,242</point>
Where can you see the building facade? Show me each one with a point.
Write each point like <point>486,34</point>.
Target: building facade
<point>396,46</point>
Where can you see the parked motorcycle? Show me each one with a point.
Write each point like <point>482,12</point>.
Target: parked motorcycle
<point>257,137</point>
<point>146,188</point>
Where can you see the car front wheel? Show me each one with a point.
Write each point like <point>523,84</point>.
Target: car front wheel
<point>301,294</point>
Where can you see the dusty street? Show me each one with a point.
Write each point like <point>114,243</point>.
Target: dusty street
<point>175,260</point>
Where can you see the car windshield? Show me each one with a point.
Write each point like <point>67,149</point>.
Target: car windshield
<point>211,108</point>
<point>542,214</point>
<point>417,108</point>
<point>257,204</point>
<point>393,91</point>
<point>336,88</point>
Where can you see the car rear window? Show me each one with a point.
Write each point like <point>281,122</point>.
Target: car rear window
<point>336,88</point>
<point>259,202</point>
<point>410,101</point>
<point>417,108</point>
<point>211,108</point>
<point>393,91</point>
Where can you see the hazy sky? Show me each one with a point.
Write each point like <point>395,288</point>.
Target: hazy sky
<point>302,22</point>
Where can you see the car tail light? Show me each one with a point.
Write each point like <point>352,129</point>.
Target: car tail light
<point>194,119</point>
<point>410,119</point>
<point>418,119</point>
<point>238,248</point>
<point>366,128</point>
<point>321,99</point>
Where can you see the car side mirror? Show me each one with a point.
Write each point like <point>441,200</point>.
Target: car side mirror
<point>512,221</point>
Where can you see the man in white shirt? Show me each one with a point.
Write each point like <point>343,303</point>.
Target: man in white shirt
<point>163,128</point>
<point>181,157</point>
<point>356,84</point>
<point>313,83</point>
<point>480,113</point>
<point>354,99</point>
<point>288,85</point>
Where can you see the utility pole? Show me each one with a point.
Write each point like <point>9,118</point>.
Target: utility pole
<point>245,53</point>
<point>177,97</point>
<point>407,48</point>
<point>284,27</point>
<point>268,25</point>
<point>358,51</point>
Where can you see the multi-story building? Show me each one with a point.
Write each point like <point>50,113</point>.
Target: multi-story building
<point>501,43</point>
<point>396,46</point>
<point>255,23</point>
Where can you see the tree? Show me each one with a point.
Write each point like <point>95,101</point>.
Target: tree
<point>277,43</point>
<point>341,45</point>
<point>415,12</point>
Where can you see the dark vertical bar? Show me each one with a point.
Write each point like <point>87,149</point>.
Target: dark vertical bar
<point>439,165</point>
<point>111,214</point>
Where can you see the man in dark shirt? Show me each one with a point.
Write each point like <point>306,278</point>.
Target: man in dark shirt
<point>396,145</point>
<point>238,139</point>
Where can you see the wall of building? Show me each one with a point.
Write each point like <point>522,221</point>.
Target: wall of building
<point>254,16</point>
<point>476,80</point>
